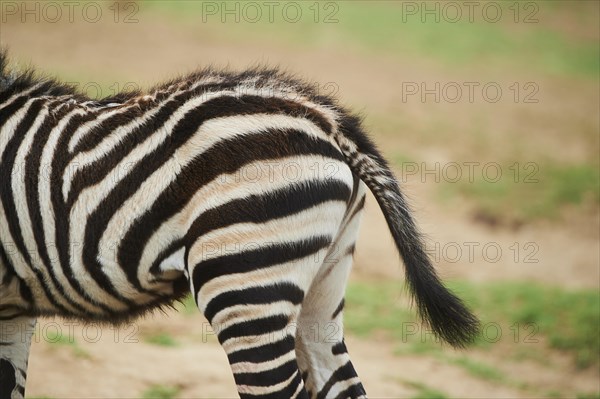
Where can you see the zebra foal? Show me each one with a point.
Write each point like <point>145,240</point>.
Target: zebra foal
<point>245,189</point>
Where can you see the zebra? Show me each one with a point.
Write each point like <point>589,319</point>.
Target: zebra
<point>242,189</point>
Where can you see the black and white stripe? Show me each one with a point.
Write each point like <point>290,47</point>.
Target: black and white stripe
<point>245,189</point>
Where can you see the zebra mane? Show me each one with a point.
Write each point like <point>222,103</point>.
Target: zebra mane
<point>6,78</point>
<point>15,79</point>
<point>265,78</point>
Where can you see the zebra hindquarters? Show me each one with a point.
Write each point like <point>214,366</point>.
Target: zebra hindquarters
<point>322,355</point>
<point>251,265</point>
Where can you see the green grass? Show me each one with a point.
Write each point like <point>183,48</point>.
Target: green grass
<point>187,306</point>
<point>525,315</point>
<point>384,27</point>
<point>374,307</point>
<point>568,319</point>
<point>58,339</point>
<point>161,392</point>
<point>479,369</point>
<point>537,191</point>
<point>424,391</point>
<point>161,339</point>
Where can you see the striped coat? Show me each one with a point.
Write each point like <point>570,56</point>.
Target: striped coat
<point>243,189</point>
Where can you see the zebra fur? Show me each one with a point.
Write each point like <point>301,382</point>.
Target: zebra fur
<point>112,208</point>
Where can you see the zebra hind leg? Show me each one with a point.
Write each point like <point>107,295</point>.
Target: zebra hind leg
<point>15,340</point>
<point>252,300</point>
<point>321,351</point>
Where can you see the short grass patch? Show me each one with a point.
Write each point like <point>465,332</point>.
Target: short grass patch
<point>161,392</point>
<point>479,369</point>
<point>593,395</point>
<point>392,28</point>
<point>529,192</point>
<point>187,306</point>
<point>424,391</point>
<point>524,315</point>
<point>57,338</point>
<point>161,339</point>
<point>373,307</point>
<point>526,312</point>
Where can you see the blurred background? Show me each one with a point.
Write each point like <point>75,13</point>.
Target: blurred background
<point>489,113</point>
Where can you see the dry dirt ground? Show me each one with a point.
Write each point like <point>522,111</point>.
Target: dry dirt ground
<point>121,364</point>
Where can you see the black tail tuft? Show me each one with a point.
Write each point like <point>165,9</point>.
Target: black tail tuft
<point>445,313</point>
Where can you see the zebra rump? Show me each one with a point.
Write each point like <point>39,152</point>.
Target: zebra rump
<point>178,149</point>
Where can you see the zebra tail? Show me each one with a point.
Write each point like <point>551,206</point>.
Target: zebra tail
<point>444,312</point>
